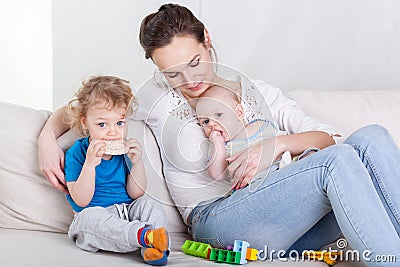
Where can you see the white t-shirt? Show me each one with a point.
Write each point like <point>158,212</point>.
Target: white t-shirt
<point>184,147</point>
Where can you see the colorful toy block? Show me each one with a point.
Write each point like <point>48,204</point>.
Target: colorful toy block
<point>197,249</point>
<point>251,254</point>
<point>241,246</point>
<point>238,254</point>
<point>227,256</point>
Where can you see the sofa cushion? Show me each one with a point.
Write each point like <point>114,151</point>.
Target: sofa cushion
<point>350,110</point>
<point>27,200</point>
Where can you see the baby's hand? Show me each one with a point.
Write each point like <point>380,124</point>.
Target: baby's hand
<point>135,150</point>
<point>216,137</point>
<point>95,151</point>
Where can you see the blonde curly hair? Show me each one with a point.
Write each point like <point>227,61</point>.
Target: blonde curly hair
<point>115,91</point>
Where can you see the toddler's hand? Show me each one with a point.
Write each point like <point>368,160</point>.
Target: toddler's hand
<point>135,150</point>
<point>216,137</point>
<point>95,151</point>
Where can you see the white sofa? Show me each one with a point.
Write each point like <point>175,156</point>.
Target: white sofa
<point>34,217</point>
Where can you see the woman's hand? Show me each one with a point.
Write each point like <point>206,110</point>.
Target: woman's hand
<point>51,162</point>
<point>135,150</point>
<point>51,156</point>
<point>243,166</point>
<point>246,164</point>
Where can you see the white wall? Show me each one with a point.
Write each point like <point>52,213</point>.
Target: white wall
<point>26,53</point>
<point>95,37</point>
<point>305,44</point>
<point>310,44</point>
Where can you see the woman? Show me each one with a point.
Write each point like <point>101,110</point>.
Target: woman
<point>289,209</point>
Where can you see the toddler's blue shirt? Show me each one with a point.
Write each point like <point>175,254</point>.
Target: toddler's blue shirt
<point>110,184</point>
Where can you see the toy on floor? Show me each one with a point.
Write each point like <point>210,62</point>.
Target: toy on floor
<point>240,253</point>
<point>197,249</point>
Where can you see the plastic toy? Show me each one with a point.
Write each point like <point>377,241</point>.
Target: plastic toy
<point>238,254</point>
<point>227,256</point>
<point>251,254</point>
<point>197,249</point>
<point>241,246</point>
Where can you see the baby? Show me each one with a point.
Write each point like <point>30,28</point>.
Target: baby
<point>221,116</point>
<point>106,187</point>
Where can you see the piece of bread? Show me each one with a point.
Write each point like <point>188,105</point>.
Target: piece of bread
<point>115,147</point>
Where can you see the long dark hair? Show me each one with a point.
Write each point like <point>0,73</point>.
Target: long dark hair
<point>159,28</point>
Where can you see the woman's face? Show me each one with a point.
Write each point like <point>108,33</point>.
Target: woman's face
<point>186,64</point>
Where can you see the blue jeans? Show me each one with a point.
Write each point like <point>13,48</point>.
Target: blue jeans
<point>292,208</point>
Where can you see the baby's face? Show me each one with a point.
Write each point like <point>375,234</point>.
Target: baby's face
<point>105,124</point>
<point>216,115</point>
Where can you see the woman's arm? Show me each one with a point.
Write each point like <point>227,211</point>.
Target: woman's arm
<point>51,157</point>
<point>245,165</point>
<point>304,132</point>
<point>297,143</point>
<point>285,112</point>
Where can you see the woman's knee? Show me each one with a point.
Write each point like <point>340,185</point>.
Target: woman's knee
<point>343,152</point>
<point>367,134</point>
<point>342,157</point>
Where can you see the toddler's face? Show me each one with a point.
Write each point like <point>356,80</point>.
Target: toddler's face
<point>215,115</point>
<point>105,124</point>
